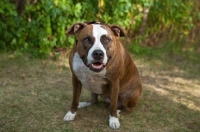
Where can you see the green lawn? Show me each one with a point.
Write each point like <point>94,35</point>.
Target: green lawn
<point>36,94</point>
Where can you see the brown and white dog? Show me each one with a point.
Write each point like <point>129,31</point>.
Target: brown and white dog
<point>100,63</point>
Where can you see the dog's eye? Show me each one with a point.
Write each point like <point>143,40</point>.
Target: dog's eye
<point>86,40</point>
<point>105,39</point>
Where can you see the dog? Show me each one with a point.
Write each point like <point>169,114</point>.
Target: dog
<point>99,62</point>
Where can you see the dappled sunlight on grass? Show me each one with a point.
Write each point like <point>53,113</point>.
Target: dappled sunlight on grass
<point>172,82</point>
<point>36,94</point>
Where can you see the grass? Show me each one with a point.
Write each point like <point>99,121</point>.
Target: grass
<point>36,94</point>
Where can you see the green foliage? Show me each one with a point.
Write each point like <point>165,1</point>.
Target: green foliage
<point>47,22</point>
<point>7,13</point>
<point>175,14</point>
<point>42,24</point>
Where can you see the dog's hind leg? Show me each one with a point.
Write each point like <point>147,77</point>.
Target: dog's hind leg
<point>131,101</point>
<point>93,100</point>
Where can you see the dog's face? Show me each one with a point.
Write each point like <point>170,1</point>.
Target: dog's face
<point>95,43</point>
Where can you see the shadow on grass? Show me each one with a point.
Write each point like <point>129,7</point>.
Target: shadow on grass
<point>170,56</point>
<point>36,94</point>
<point>158,113</point>
<point>170,101</point>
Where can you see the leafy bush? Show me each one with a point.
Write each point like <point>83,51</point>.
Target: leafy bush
<point>42,24</point>
<point>7,24</point>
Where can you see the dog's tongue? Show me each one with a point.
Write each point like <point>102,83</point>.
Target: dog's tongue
<point>97,65</point>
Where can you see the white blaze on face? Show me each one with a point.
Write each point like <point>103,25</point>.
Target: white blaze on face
<point>98,31</point>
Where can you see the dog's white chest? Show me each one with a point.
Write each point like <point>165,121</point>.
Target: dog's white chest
<point>90,80</point>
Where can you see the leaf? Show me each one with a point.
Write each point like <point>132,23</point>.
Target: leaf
<point>198,16</point>
<point>1,11</point>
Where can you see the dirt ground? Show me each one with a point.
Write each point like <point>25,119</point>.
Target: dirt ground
<point>35,95</point>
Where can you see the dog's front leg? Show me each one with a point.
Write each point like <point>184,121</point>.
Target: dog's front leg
<point>113,119</point>
<point>77,86</point>
<point>94,99</point>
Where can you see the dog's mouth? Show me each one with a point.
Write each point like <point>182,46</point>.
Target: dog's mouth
<point>96,66</point>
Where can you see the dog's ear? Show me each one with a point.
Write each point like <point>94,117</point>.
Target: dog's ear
<point>75,28</point>
<point>118,31</point>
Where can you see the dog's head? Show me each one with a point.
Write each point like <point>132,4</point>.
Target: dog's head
<point>95,43</point>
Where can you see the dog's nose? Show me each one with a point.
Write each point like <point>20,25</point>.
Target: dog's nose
<point>98,54</point>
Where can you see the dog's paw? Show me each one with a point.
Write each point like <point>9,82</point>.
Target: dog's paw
<point>83,104</point>
<point>69,116</point>
<point>118,113</point>
<point>114,122</point>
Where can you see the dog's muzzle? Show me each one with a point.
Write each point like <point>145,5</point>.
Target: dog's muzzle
<point>97,64</point>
